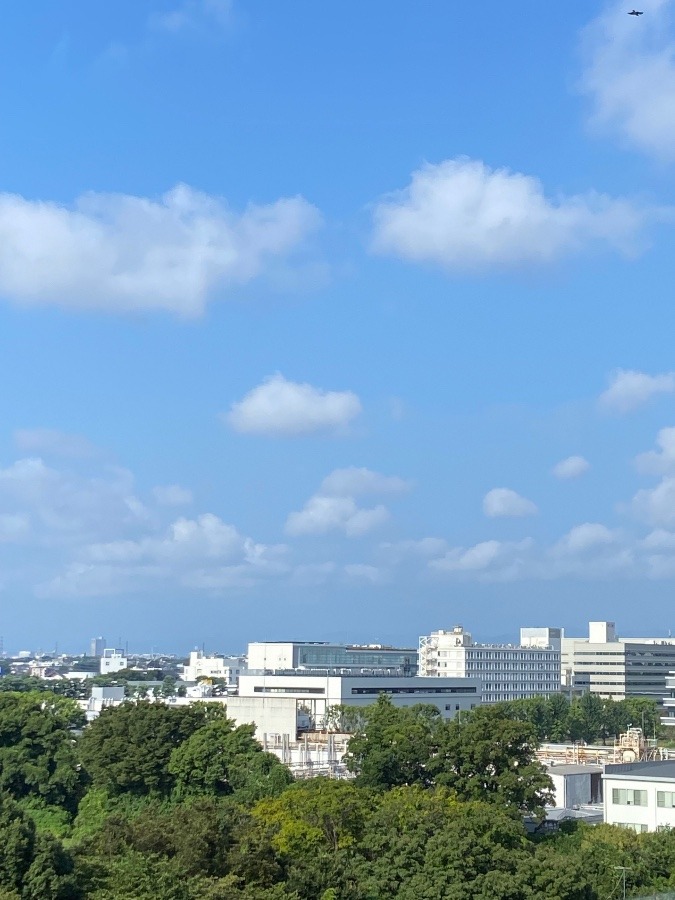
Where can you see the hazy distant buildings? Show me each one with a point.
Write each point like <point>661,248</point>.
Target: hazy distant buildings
<point>617,668</point>
<point>97,646</point>
<point>506,671</point>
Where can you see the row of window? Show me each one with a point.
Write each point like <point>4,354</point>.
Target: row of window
<point>414,690</point>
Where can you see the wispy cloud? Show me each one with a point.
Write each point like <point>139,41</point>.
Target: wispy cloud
<point>629,76</point>
<point>194,15</point>
<point>629,390</point>
<point>503,502</point>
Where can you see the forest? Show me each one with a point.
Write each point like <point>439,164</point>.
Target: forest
<point>161,802</point>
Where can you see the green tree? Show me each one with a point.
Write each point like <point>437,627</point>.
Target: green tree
<point>488,756</point>
<point>128,748</point>
<point>37,748</point>
<point>220,759</point>
<point>394,745</point>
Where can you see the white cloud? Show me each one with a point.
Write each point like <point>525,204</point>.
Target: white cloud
<point>656,506</point>
<point>488,560</point>
<point>286,408</point>
<point>68,507</point>
<point>122,253</point>
<point>630,76</point>
<point>172,495</point>
<point>460,214</point>
<point>661,461</point>
<point>584,537</point>
<point>571,467</point>
<point>323,514</point>
<point>354,481</point>
<point>628,390</point>
<point>51,442</point>
<point>203,553</point>
<point>502,502</point>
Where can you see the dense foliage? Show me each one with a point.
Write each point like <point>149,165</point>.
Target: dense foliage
<point>157,802</point>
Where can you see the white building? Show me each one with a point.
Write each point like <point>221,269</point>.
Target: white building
<point>113,661</point>
<point>365,659</point>
<point>227,668</point>
<point>640,795</point>
<point>615,667</point>
<point>506,671</point>
<point>668,717</point>
<point>285,704</point>
<point>101,697</point>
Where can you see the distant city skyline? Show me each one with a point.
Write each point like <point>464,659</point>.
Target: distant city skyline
<point>342,322</point>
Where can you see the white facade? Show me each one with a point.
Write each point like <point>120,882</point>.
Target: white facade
<point>668,717</point>
<point>506,671</point>
<point>201,666</point>
<point>312,695</point>
<point>113,661</point>
<point>640,795</point>
<point>614,667</point>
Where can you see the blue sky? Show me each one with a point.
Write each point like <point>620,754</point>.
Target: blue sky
<point>335,321</point>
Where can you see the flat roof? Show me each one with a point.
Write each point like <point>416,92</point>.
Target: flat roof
<point>651,769</point>
<point>579,769</point>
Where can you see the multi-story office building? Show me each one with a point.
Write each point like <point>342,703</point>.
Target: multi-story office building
<point>668,717</point>
<point>366,659</point>
<point>506,671</point>
<point>617,668</point>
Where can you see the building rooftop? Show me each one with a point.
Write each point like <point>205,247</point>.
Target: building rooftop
<point>580,769</point>
<point>653,770</point>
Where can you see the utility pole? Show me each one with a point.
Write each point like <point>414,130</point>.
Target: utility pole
<point>623,870</point>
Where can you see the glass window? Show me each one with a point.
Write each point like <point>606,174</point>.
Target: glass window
<point>627,797</point>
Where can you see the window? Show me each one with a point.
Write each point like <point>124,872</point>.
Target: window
<point>628,797</point>
<point>665,799</point>
<point>632,826</point>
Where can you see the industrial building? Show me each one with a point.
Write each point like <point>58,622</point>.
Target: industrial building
<point>506,671</point>
<point>615,667</point>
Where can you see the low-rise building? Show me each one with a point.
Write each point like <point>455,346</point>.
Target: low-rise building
<point>640,795</point>
<point>506,671</point>
<point>285,703</point>
<point>225,668</point>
